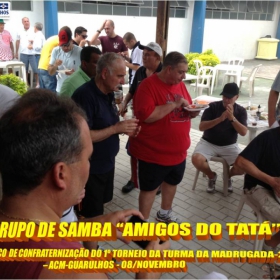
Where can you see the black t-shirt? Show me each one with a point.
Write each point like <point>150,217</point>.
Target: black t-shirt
<point>224,133</point>
<point>139,76</point>
<point>264,153</point>
<point>101,112</point>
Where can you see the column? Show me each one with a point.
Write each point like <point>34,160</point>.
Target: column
<point>198,26</point>
<point>51,18</point>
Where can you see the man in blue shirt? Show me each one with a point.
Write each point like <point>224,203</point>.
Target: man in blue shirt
<point>96,97</point>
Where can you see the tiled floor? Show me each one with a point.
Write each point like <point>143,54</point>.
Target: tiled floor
<point>199,206</point>
<point>191,206</point>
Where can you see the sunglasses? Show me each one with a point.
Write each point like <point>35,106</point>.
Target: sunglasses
<point>84,36</point>
<point>65,45</point>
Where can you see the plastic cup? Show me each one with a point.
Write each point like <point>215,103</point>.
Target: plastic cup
<point>118,96</point>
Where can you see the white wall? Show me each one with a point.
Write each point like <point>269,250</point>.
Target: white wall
<point>237,38</point>
<point>144,28</point>
<point>14,24</point>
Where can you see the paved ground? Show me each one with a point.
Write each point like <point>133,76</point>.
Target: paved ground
<point>199,206</point>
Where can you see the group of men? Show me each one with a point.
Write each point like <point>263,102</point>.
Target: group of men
<point>29,43</point>
<point>154,163</point>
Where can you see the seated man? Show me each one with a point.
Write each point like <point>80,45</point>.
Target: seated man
<point>45,146</point>
<point>260,161</point>
<point>221,123</point>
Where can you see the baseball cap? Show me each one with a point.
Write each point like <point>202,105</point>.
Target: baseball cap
<point>230,90</point>
<point>64,37</point>
<point>152,47</point>
<point>2,21</point>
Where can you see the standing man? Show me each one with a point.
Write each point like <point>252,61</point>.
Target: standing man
<point>65,59</point>
<point>111,42</point>
<point>24,46</point>
<point>87,71</point>
<point>96,97</point>
<point>273,103</point>
<point>135,60</point>
<point>38,43</point>
<point>80,36</point>
<point>45,79</point>
<point>221,123</point>
<point>6,44</point>
<point>151,64</point>
<point>161,147</point>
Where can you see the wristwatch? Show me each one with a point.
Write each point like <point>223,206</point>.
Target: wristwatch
<point>233,120</point>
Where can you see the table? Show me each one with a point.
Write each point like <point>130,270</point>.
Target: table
<point>15,64</point>
<point>226,67</point>
<point>261,126</point>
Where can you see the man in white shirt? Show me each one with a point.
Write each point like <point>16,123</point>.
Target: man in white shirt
<point>24,46</point>
<point>38,42</point>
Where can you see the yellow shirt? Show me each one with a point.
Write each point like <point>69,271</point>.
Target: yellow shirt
<point>46,52</point>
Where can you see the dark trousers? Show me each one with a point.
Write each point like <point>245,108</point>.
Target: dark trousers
<point>99,190</point>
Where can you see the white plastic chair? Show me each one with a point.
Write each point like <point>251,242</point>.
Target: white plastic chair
<point>18,67</point>
<point>225,174</point>
<point>205,74</point>
<point>258,244</point>
<point>198,65</point>
<point>250,80</point>
<point>232,73</point>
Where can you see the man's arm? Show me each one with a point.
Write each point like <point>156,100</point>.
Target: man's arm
<point>52,68</point>
<point>94,40</point>
<point>17,47</point>
<point>250,168</point>
<point>162,110</point>
<point>272,101</point>
<point>12,49</point>
<point>129,127</point>
<point>204,125</point>
<point>131,65</point>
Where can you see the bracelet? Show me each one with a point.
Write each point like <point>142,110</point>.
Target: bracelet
<point>98,31</point>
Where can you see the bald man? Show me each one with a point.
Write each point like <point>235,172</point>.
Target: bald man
<point>111,42</point>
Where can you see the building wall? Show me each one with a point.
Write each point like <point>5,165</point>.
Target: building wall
<point>13,23</point>
<point>144,28</point>
<point>237,38</point>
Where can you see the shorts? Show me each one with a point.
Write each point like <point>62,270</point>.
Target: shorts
<point>264,200</point>
<point>208,150</point>
<point>149,176</point>
<point>99,190</point>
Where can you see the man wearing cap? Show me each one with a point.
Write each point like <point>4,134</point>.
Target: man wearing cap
<point>65,58</point>
<point>6,44</point>
<point>151,64</point>
<point>111,42</point>
<point>221,123</point>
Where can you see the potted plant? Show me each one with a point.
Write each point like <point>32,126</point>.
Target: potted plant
<point>14,82</point>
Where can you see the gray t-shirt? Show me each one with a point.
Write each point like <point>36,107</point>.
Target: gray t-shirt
<point>70,60</point>
<point>7,98</point>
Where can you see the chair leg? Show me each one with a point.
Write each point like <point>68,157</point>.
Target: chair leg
<point>225,178</point>
<point>195,179</point>
<point>240,207</point>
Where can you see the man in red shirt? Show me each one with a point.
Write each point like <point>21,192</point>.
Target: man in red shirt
<point>161,147</point>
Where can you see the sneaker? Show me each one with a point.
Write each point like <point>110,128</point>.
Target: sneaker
<point>168,218</point>
<point>128,187</point>
<point>159,191</point>
<point>230,189</point>
<point>211,184</point>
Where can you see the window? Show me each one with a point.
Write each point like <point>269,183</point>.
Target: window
<point>240,10</point>
<point>142,8</point>
<point>20,5</point>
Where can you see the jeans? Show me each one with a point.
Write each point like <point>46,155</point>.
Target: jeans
<point>29,59</point>
<point>46,80</point>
